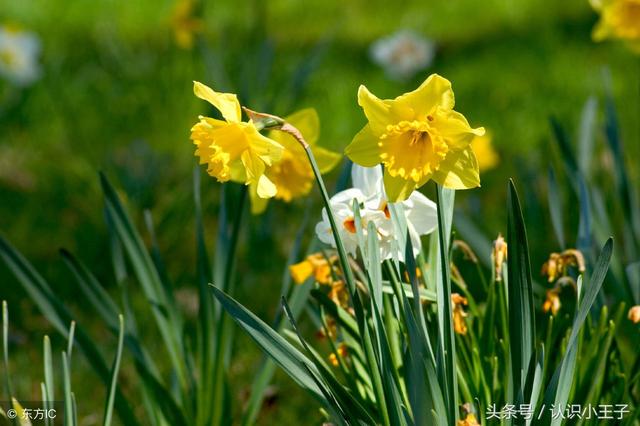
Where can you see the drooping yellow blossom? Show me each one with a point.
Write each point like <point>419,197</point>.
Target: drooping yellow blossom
<point>470,420</point>
<point>552,302</point>
<point>499,256</point>
<point>618,19</point>
<point>185,24</point>
<point>292,175</point>
<point>634,314</point>
<point>457,302</point>
<point>558,264</point>
<point>486,155</point>
<point>233,149</point>
<point>315,264</point>
<point>341,352</point>
<point>339,295</point>
<point>417,137</point>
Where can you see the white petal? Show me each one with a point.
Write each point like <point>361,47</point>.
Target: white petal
<point>368,180</point>
<point>421,213</point>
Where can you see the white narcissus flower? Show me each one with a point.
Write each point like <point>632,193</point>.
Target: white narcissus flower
<point>368,190</point>
<point>403,54</point>
<point>19,52</point>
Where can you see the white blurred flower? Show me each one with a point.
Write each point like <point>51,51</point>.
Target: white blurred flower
<point>19,51</point>
<point>368,190</point>
<point>403,53</point>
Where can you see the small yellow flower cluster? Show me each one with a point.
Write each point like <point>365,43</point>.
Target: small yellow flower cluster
<point>469,420</point>
<point>558,264</point>
<point>556,268</point>
<point>634,314</point>
<point>342,352</point>
<point>499,256</point>
<point>325,271</point>
<point>459,315</point>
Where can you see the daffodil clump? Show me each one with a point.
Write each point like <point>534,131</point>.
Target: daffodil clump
<point>417,137</point>
<point>619,19</point>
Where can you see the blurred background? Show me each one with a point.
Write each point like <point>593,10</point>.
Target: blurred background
<point>107,86</point>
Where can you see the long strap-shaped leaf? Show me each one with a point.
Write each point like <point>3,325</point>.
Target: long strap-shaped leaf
<point>522,329</point>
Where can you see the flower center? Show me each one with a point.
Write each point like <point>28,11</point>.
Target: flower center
<point>350,225</point>
<point>412,149</point>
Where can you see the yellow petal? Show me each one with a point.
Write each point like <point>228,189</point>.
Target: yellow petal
<point>376,110</point>
<point>459,170</point>
<point>226,103</point>
<point>253,165</point>
<point>266,188</point>
<point>325,159</point>
<point>455,129</point>
<point>434,92</point>
<point>364,149</point>
<point>267,149</point>
<point>301,271</point>
<point>258,204</point>
<point>397,188</point>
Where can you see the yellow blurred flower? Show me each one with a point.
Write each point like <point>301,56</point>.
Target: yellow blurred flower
<point>339,295</point>
<point>342,353</point>
<point>552,302</point>
<point>185,24</point>
<point>634,314</point>
<point>558,264</point>
<point>417,137</point>
<point>470,420</point>
<point>315,264</point>
<point>233,149</point>
<point>486,155</point>
<point>458,301</point>
<point>292,175</point>
<point>618,19</point>
<point>499,256</point>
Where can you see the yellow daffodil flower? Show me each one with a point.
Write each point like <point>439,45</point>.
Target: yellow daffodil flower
<point>233,149</point>
<point>618,19</point>
<point>417,137</point>
<point>185,24</point>
<point>486,155</point>
<point>459,325</point>
<point>292,175</point>
<point>634,314</point>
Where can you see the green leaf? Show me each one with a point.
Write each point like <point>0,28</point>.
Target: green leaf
<point>555,207</point>
<point>522,329</point>
<point>108,410</point>
<point>290,359</point>
<point>446,351</point>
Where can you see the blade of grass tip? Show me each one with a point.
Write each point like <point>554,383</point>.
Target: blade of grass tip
<point>70,339</point>
<point>522,329</point>
<point>48,371</point>
<point>564,144</point>
<point>446,341</point>
<point>108,409</point>
<point>5,347</point>
<point>555,207</point>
